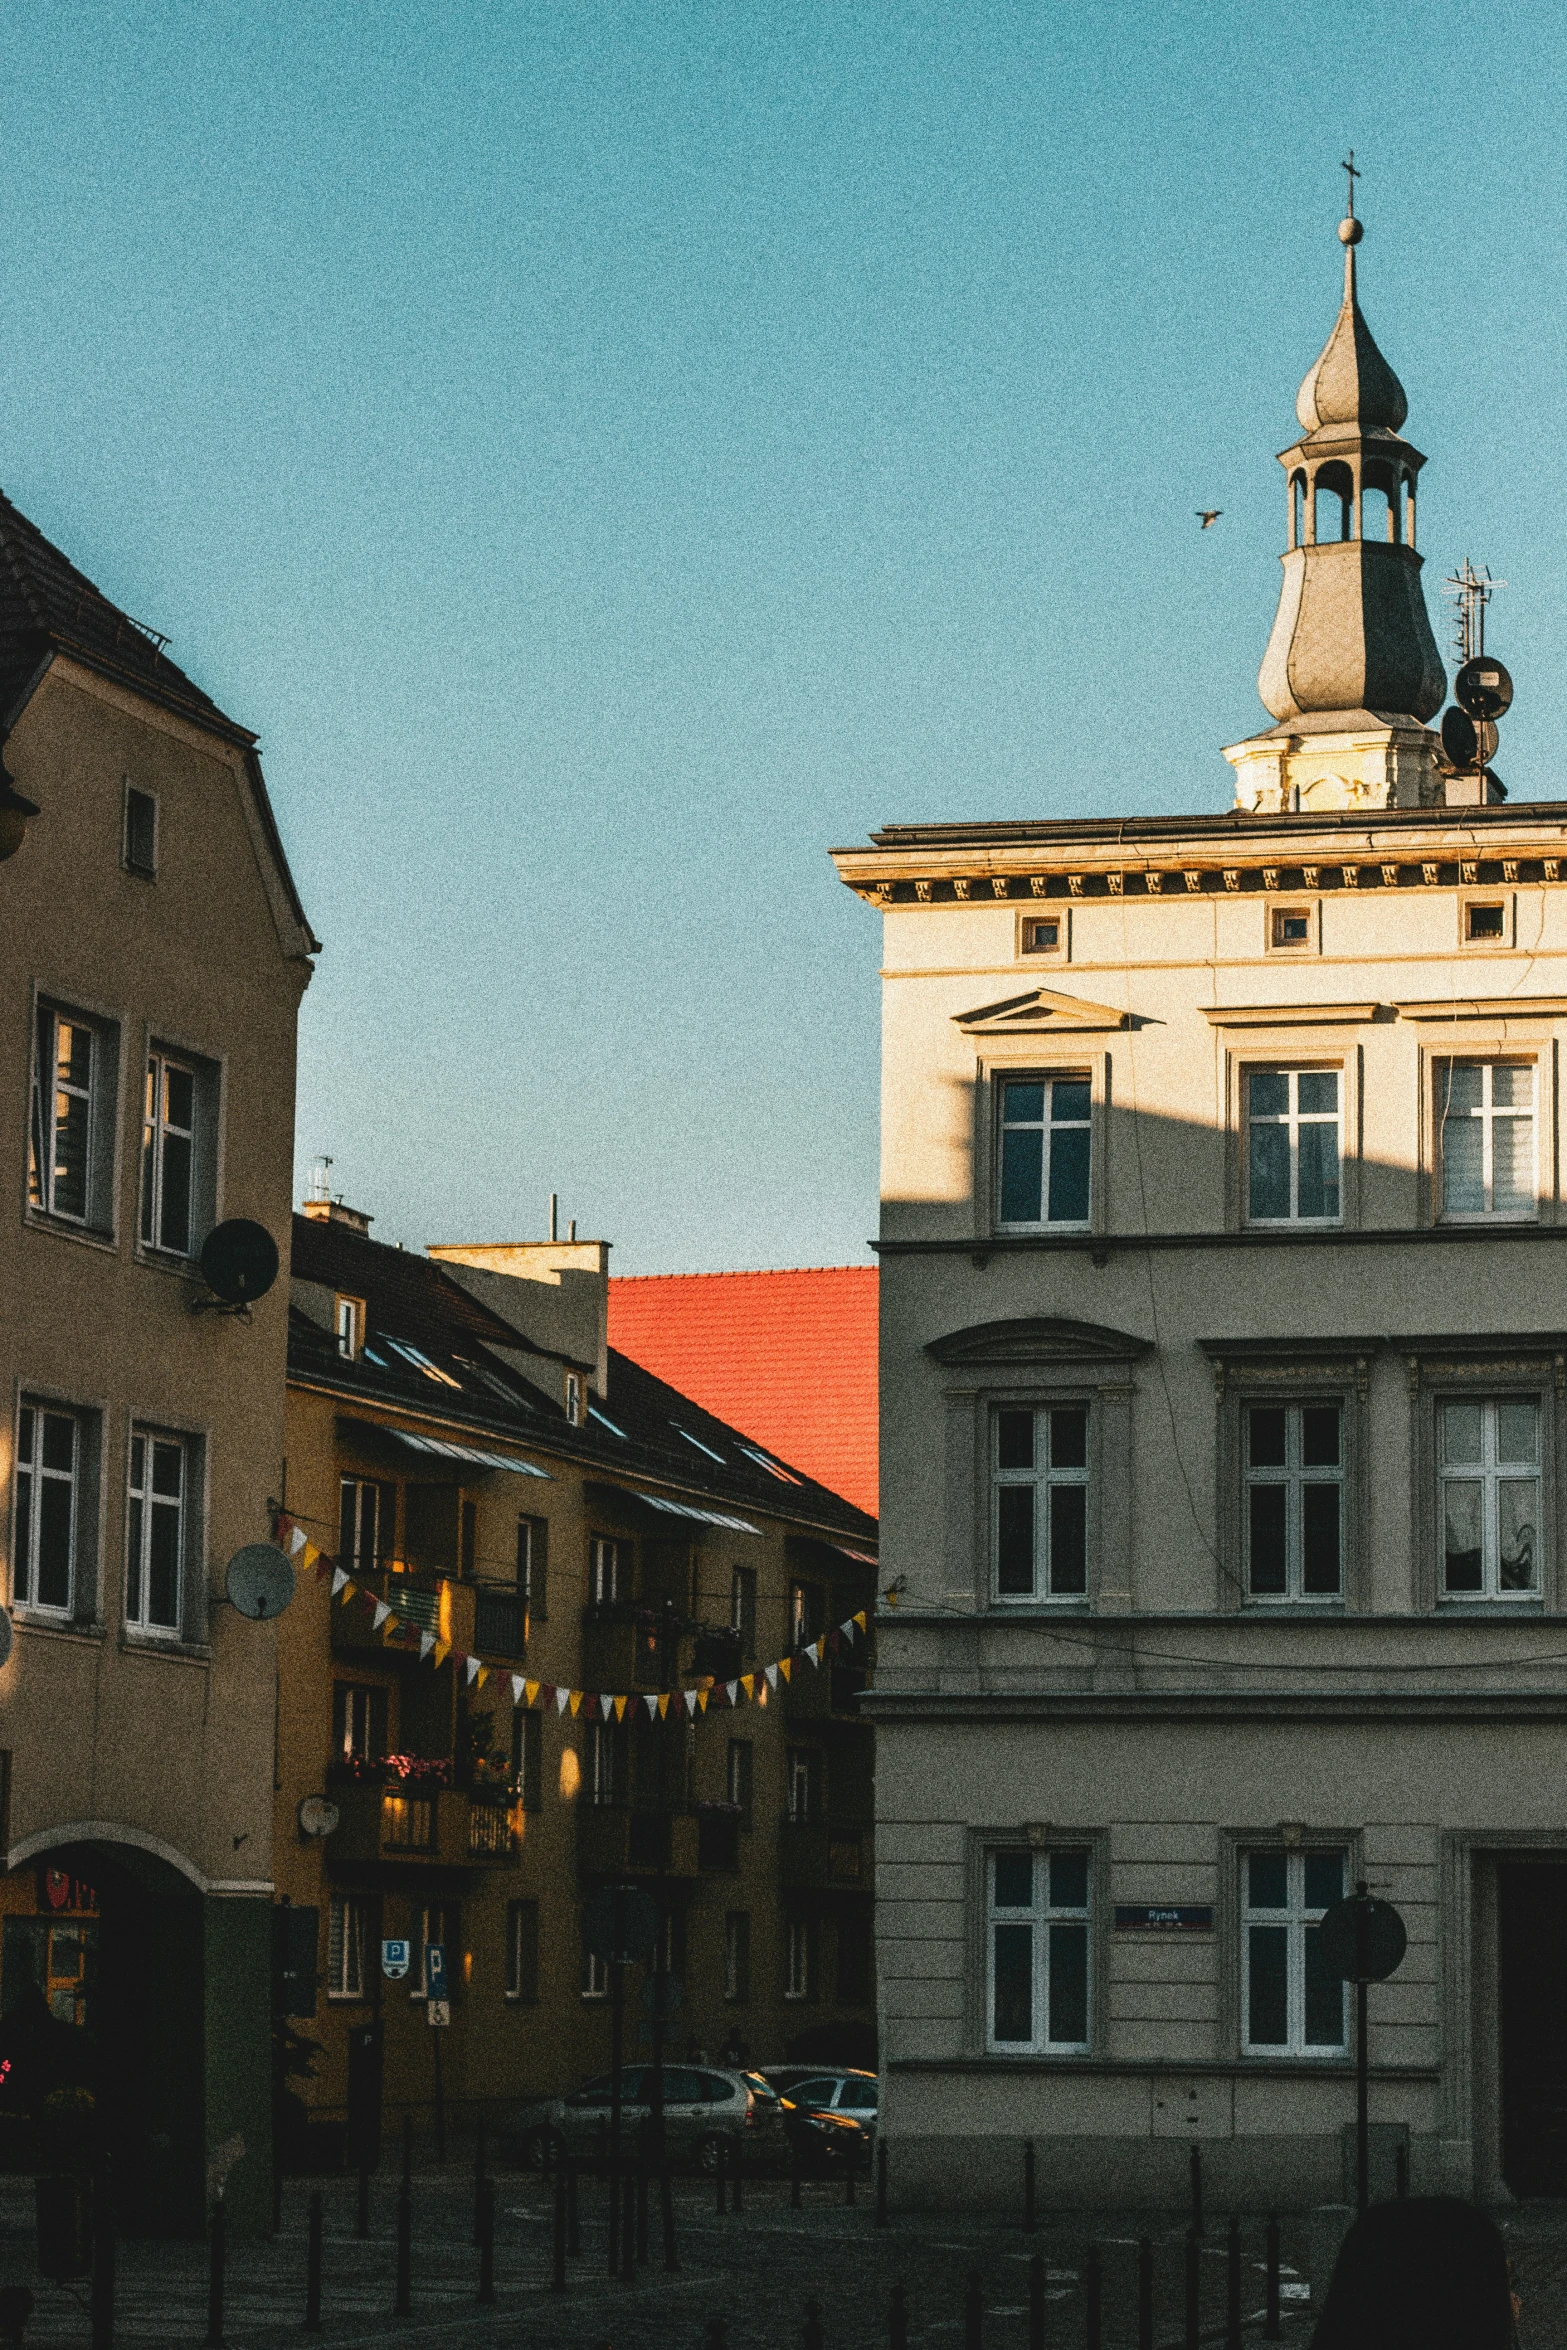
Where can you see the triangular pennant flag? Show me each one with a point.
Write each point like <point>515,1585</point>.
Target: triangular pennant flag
<point>748,1682</point>
<point>663,1705</point>
<point>690,1697</point>
<point>860,1619</point>
<point>847,1627</point>
<point>516,1688</point>
<point>701,1698</point>
<point>561,1696</point>
<point>350,1590</point>
<point>470,1666</point>
<point>296,1540</point>
<point>324,1566</point>
<point>731,1686</point>
<point>339,1581</point>
<point>426,1643</point>
<point>484,1674</point>
<point>381,1612</point>
<point>650,1700</point>
<point>530,1690</point>
<point>814,1652</point>
<point>442,1652</point>
<point>575,1699</point>
<point>620,1709</point>
<point>606,1700</point>
<point>772,1676</point>
<point>786,1666</point>
<point>311,1554</point>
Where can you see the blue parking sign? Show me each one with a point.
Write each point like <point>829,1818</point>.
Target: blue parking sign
<point>435,1970</point>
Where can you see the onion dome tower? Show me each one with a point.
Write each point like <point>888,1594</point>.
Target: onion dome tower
<point>1352,671</point>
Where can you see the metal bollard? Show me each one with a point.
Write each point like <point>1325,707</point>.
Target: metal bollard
<point>218,2252</point>
<point>1232,2287</point>
<point>898,2321</point>
<point>973,2312</point>
<point>628,2229</point>
<point>405,2224</point>
<point>486,2243</point>
<point>1144,2295</point>
<point>1028,2186</point>
<point>881,2182</point>
<point>478,2182</point>
<point>362,2209</point>
<point>1193,2290</point>
<point>103,2258</point>
<point>812,2336</point>
<point>558,2272</point>
<point>1093,2299</point>
<point>313,2266</point>
<point>1197,2227</point>
<point>1272,2327</point>
<point>1036,2302</point>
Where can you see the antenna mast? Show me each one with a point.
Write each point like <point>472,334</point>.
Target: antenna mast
<point>1470,591</point>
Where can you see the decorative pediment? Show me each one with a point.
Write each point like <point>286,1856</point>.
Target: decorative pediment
<point>1041,1011</point>
<point>1037,1338</point>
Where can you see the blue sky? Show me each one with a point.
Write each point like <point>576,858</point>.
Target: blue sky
<point>613,454</point>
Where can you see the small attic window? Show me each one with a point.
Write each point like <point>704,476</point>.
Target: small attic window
<point>139,849</point>
<point>697,1441</point>
<point>421,1362</point>
<point>785,1476</point>
<point>574,1399</point>
<point>605,1421</point>
<point>1042,936</point>
<point>350,1327</point>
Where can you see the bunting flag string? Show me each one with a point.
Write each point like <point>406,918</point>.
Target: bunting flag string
<point>602,1705</point>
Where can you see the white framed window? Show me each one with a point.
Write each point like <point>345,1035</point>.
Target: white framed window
<point>70,1154</point>
<point>1489,1468</point>
<point>1485,1138</point>
<point>604,1570</point>
<point>365,1523</point>
<point>1294,1501</point>
<point>1041,1502</point>
<point>522,1952</point>
<point>1037,1950</point>
<point>595,1974</point>
<point>139,843</point>
<point>574,1398</point>
<point>49,1454</point>
<point>350,1316</point>
<point>805,1614</point>
<point>737,1957</point>
<point>168,1156</point>
<point>801,1784</point>
<point>1290,2004</point>
<point>797,1959</point>
<point>156,1527</point>
<point>604,1763</point>
<point>1294,1146</point>
<point>347,1933</point>
<point>1045,1131</point>
<point>358,1722</point>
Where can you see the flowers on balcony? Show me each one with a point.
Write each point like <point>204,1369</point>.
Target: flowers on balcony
<point>397,1770</point>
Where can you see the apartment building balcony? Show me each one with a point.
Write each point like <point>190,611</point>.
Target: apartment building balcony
<point>494,1831</point>
<point>500,1623</point>
<point>619,1646</point>
<point>618,1840</point>
<point>825,1852</point>
<point>424,1603</point>
<point>417,1824</point>
<point>817,1693</point>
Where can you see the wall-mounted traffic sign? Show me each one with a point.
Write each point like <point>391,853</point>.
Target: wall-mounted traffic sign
<point>394,1961</point>
<point>435,1970</point>
<point>438,2011</point>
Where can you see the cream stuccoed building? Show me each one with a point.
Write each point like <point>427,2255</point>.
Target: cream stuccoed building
<point>1224,1349</point>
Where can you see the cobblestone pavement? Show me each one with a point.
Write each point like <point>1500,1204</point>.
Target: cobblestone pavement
<point>756,2270</point>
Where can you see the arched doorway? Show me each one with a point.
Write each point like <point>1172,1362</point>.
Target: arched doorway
<point>102,1989</point>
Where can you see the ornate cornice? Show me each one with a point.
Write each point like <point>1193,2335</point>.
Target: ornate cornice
<point>903,877</point>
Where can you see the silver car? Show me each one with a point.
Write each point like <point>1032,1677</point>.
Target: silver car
<point>704,2110</point>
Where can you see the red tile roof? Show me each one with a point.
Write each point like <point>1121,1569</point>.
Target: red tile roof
<point>787,1358</point>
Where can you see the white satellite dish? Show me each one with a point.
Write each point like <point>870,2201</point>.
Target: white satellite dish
<point>260,1581</point>
<point>7,1634</point>
<point>317,1817</point>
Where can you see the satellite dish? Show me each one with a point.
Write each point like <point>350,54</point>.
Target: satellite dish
<point>239,1261</point>
<point>7,1634</point>
<point>1468,742</point>
<point>1483,688</point>
<point>260,1581</point>
<point>317,1817</point>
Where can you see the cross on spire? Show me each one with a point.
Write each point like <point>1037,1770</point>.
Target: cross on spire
<point>1348,167</point>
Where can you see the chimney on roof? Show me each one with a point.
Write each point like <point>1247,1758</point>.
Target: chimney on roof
<point>555,1292</point>
<point>336,1211</point>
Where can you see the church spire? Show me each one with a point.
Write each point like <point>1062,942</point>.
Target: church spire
<point>1351,656</point>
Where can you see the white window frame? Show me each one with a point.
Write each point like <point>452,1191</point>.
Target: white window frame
<point>797,1959</point>
<point>348,1920</point>
<point>1293,1119</point>
<point>574,1399</point>
<point>1046,1126</point>
<point>801,1769</point>
<point>350,1317</point>
<point>1294,1476</point>
<point>145,1505</point>
<point>604,1564</point>
<point>1487,1116</point>
<point>355,1740</point>
<point>603,1774</point>
<point>24,1569</point>
<point>1043,1478</point>
<point>96,1215</point>
<point>595,1974</point>
<point>1489,1473</point>
<point>515,1911</point>
<point>355,1561</point>
<point>1039,1917</point>
<point>1297,1920</point>
<point>158,1131</point>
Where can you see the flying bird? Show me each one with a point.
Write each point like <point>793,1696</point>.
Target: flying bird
<point>1209,515</point>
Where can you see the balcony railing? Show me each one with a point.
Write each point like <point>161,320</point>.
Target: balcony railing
<point>500,1623</point>
<point>423,1826</point>
<point>493,1840</point>
<point>824,1852</point>
<point>425,1603</point>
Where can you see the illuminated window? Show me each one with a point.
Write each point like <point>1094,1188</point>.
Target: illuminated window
<point>70,1156</point>
<point>168,1156</point>
<point>347,1932</point>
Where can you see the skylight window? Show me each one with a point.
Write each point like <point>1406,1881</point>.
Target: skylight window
<point>784,1476</point>
<point>605,1421</point>
<point>493,1381</point>
<point>422,1362</point>
<point>367,1354</point>
<point>700,1446</point>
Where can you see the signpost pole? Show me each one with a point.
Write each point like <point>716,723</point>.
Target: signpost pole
<point>617,2007</point>
<point>1362,2051</point>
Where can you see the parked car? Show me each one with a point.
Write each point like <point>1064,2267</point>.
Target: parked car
<point>704,2109</point>
<point>829,2115</point>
